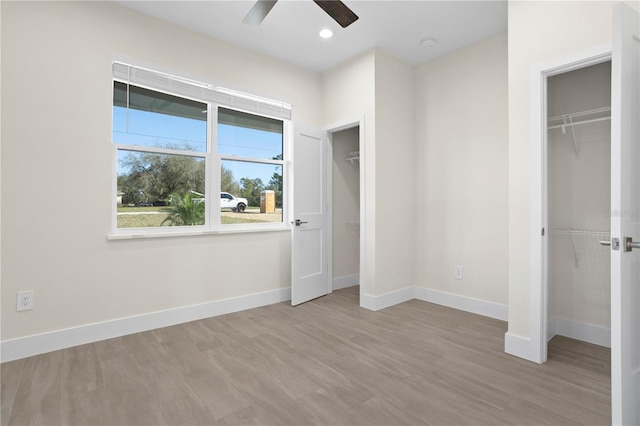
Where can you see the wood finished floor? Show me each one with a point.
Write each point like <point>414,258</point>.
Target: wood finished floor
<point>327,362</point>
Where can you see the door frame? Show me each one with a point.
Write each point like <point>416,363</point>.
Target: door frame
<point>539,247</point>
<point>329,131</point>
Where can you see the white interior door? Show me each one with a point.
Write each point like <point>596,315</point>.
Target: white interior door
<point>309,267</point>
<point>625,217</point>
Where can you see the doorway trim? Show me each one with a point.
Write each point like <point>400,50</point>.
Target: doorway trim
<point>538,300</point>
<point>330,130</point>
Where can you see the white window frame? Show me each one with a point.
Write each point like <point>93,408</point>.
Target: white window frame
<point>221,157</point>
<point>214,98</point>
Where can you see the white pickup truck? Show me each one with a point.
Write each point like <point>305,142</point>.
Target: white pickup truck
<point>228,201</point>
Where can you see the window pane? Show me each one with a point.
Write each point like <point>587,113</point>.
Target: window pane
<point>160,190</point>
<point>258,186</point>
<point>249,135</point>
<point>158,120</point>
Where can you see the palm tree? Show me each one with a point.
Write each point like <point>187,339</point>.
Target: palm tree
<point>184,210</point>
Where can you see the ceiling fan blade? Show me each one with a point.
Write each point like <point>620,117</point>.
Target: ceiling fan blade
<point>338,11</point>
<point>259,11</point>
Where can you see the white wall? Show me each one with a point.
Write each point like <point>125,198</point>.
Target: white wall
<point>579,198</point>
<point>349,94</point>
<point>1,223</point>
<point>461,172</point>
<point>380,89</point>
<point>57,169</point>
<point>538,31</point>
<point>346,205</point>
<point>395,196</point>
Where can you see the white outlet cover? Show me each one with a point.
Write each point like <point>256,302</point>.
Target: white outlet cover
<point>458,272</point>
<point>24,300</point>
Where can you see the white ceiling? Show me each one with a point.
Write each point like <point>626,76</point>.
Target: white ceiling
<point>290,31</point>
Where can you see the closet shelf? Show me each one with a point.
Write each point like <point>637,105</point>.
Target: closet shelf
<point>573,231</point>
<point>577,118</point>
<point>591,242</point>
<point>353,157</point>
<point>583,117</point>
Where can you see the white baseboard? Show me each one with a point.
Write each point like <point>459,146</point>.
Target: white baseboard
<point>346,281</point>
<point>450,300</point>
<point>519,346</point>
<point>551,328</point>
<point>382,301</point>
<point>585,332</point>
<point>60,339</point>
<point>463,303</point>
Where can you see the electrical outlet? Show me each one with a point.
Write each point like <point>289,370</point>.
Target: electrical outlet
<point>457,272</point>
<point>25,300</point>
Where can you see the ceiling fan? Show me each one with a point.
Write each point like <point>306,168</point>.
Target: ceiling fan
<point>335,8</point>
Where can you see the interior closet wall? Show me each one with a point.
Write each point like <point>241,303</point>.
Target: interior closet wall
<point>346,208</point>
<point>579,171</point>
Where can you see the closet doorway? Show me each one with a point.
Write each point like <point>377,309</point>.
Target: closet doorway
<point>578,164</point>
<point>624,55</point>
<point>565,108</point>
<point>346,213</point>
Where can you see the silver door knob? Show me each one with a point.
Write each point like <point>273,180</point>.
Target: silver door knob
<point>630,245</point>
<point>298,222</point>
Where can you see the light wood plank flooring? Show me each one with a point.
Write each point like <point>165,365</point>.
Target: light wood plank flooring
<point>327,362</point>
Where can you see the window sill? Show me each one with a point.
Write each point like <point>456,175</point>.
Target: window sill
<point>239,230</point>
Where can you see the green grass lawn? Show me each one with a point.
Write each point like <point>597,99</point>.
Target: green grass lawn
<point>123,209</point>
<point>155,216</point>
<point>232,219</point>
<point>141,220</point>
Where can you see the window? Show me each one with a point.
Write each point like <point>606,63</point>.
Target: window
<point>176,141</point>
<point>251,152</point>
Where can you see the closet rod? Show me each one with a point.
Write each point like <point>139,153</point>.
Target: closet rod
<point>582,117</point>
<point>575,123</point>
<point>569,120</point>
<point>352,157</point>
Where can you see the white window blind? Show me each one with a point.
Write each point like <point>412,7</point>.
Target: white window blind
<point>200,91</point>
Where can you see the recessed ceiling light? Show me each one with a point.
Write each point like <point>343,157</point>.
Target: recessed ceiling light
<point>325,33</point>
<point>428,42</point>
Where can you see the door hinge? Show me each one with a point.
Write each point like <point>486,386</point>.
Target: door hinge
<point>542,233</point>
